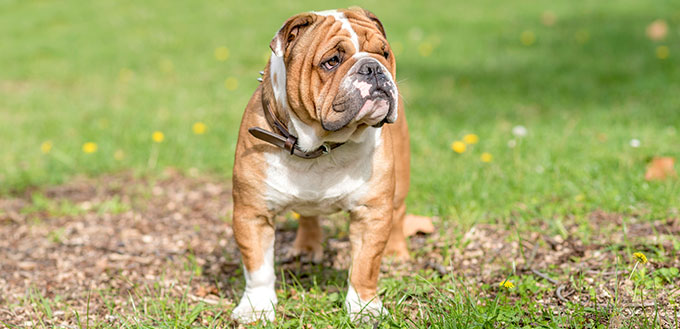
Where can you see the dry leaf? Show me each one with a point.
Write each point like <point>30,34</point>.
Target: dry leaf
<point>660,168</point>
<point>205,290</point>
<point>414,224</point>
<point>201,291</point>
<point>657,30</point>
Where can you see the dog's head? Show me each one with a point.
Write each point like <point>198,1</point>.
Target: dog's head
<point>334,72</point>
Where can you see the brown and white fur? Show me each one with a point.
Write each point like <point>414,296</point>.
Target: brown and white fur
<point>322,82</point>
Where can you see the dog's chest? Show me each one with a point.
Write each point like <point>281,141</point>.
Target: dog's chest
<point>319,186</point>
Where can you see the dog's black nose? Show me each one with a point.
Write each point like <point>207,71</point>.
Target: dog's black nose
<point>370,69</point>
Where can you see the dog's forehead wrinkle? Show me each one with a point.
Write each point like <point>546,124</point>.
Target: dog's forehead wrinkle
<point>346,25</point>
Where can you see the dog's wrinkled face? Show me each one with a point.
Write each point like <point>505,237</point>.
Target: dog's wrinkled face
<point>335,72</point>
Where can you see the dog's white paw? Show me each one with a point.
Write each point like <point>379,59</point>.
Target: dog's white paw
<point>363,311</point>
<point>255,305</point>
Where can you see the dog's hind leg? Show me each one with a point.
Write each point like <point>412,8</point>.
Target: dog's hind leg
<point>308,239</point>
<point>396,245</point>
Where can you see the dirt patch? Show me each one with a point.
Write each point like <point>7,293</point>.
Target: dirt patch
<point>90,244</point>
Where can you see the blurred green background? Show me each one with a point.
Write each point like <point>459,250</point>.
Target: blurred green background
<point>582,77</point>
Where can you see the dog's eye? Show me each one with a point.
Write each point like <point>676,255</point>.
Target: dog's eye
<point>331,63</point>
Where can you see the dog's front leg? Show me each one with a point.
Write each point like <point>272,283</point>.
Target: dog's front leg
<point>254,233</point>
<point>368,232</point>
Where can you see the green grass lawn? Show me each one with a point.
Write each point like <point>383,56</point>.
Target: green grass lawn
<point>112,73</point>
<point>584,87</point>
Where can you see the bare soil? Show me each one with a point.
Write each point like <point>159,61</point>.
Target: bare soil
<point>91,244</point>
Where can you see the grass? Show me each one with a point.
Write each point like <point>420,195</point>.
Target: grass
<point>112,73</point>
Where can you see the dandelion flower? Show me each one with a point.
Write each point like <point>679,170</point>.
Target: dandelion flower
<point>634,143</point>
<point>119,155</point>
<point>458,147</point>
<point>157,136</point>
<point>221,53</point>
<point>90,147</point>
<point>640,257</point>
<point>582,36</point>
<point>486,157</point>
<point>199,128</point>
<point>46,147</point>
<point>425,49</point>
<point>507,284</point>
<point>125,75</point>
<point>528,38</point>
<point>470,139</point>
<point>519,131</point>
<point>166,65</point>
<point>231,83</point>
<point>296,216</point>
<point>662,52</point>
<point>415,34</point>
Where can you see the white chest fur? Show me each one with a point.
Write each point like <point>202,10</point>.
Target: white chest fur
<point>324,185</point>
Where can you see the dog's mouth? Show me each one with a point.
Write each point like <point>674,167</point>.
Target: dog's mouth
<point>381,123</point>
<point>373,110</point>
<point>379,93</point>
<point>362,101</point>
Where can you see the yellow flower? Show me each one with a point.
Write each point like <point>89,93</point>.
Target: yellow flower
<point>295,215</point>
<point>582,36</point>
<point>425,49</point>
<point>486,157</point>
<point>90,147</point>
<point>125,75</point>
<point>470,139</point>
<point>231,83</point>
<point>119,155</point>
<point>507,284</point>
<point>458,147</point>
<point>157,136</point>
<point>662,52</point>
<point>166,65</point>
<point>221,53</point>
<point>46,147</point>
<point>199,128</point>
<point>640,257</point>
<point>528,38</point>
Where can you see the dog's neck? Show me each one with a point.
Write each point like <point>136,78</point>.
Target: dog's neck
<point>282,132</point>
<point>268,96</point>
<point>274,93</point>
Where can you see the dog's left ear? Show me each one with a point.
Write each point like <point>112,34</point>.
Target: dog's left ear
<point>289,32</point>
<point>375,20</point>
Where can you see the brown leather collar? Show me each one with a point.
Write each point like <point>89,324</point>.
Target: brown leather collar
<point>285,139</point>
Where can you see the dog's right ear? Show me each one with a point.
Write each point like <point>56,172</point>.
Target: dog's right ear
<point>291,30</point>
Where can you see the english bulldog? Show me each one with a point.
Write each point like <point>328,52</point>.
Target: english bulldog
<point>325,131</point>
